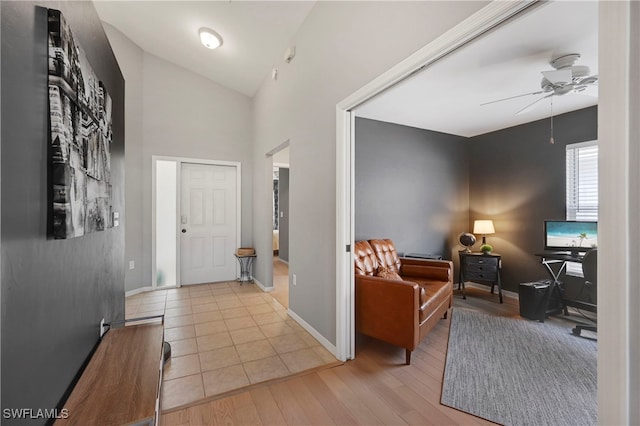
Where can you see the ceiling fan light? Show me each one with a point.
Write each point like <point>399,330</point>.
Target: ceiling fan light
<point>565,61</point>
<point>209,38</point>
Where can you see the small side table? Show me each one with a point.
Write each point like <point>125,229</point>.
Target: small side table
<point>246,262</point>
<point>480,267</point>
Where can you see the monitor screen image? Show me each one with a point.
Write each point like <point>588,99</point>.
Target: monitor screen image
<point>570,235</point>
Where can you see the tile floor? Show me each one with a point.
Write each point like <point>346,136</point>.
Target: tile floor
<point>225,336</point>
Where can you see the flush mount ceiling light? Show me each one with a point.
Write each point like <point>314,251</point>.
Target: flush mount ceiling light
<point>209,38</point>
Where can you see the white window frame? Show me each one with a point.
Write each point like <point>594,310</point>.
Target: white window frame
<point>573,192</point>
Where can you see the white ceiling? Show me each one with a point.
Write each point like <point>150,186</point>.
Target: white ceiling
<point>255,33</point>
<point>446,96</point>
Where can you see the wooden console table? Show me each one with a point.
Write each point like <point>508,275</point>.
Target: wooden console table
<point>121,384</point>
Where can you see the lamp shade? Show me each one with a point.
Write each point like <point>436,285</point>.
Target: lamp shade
<point>483,227</point>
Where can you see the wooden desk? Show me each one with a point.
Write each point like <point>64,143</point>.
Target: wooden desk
<point>480,267</point>
<point>121,384</point>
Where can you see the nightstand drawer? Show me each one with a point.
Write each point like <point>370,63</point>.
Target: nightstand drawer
<point>477,261</point>
<point>481,275</point>
<point>482,267</point>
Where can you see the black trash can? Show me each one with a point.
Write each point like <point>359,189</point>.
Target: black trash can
<point>533,299</point>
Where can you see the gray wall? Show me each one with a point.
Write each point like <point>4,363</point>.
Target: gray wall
<point>300,107</point>
<point>54,292</point>
<point>518,180</point>
<point>283,206</point>
<point>172,111</point>
<point>411,185</point>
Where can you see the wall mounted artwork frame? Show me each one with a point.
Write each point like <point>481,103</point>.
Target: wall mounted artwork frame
<point>80,137</point>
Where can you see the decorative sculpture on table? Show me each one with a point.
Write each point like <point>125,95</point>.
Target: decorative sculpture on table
<point>467,240</point>
<point>80,135</point>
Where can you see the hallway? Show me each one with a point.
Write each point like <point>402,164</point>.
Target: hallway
<point>280,281</point>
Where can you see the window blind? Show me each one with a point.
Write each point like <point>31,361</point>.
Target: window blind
<point>582,188</point>
<point>582,181</point>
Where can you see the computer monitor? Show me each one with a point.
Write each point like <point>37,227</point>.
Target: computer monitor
<point>567,235</point>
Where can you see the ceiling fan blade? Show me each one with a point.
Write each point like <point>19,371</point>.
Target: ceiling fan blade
<point>528,107</point>
<point>513,97</point>
<point>588,90</point>
<point>558,76</point>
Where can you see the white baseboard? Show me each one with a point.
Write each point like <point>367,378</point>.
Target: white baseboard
<point>137,291</point>
<point>283,261</point>
<point>319,337</point>
<point>259,284</point>
<point>505,293</point>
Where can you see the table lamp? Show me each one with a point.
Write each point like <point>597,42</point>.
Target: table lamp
<point>484,228</point>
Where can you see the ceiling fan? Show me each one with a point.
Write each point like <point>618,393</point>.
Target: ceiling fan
<point>564,78</point>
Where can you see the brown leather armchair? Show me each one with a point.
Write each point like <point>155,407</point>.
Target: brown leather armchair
<point>401,309</point>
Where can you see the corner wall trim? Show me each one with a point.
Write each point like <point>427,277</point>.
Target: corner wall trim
<point>319,337</point>
<point>259,284</point>
<point>138,291</point>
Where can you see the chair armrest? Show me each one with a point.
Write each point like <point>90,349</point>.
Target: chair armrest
<point>388,310</point>
<point>440,270</point>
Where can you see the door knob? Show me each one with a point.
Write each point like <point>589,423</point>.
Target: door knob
<point>184,231</point>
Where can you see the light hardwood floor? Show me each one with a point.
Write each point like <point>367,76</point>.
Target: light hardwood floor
<point>280,282</point>
<point>375,388</point>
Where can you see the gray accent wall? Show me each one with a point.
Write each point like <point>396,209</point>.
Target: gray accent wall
<point>283,206</point>
<point>411,185</point>
<point>517,179</point>
<point>54,292</point>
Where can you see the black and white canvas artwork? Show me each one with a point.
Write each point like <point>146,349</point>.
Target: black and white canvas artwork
<point>80,130</point>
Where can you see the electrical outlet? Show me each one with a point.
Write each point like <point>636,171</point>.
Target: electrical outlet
<point>294,279</point>
<point>132,264</point>
<point>103,328</point>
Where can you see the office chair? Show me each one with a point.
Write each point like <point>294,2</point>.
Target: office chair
<point>590,273</point>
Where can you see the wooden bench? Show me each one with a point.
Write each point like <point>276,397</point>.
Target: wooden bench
<point>121,384</point>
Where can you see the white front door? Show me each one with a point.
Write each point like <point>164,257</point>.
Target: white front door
<point>207,223</point>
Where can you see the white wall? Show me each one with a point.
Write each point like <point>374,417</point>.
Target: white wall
<point>340,47</point>
<point>171,111</point>
<point>618,215</point>
<point>130,59</point>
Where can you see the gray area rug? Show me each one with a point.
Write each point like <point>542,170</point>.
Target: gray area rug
<point>519,372</point>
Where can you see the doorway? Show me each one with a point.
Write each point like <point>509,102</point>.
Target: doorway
<point>196,224</point>
<point>617,381</point>
<point>482,22</point>
<point>281,181</point>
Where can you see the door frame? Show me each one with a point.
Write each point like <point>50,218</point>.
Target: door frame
<point>179,161</point>
<point>474,26</point>
<point>268,161</point>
